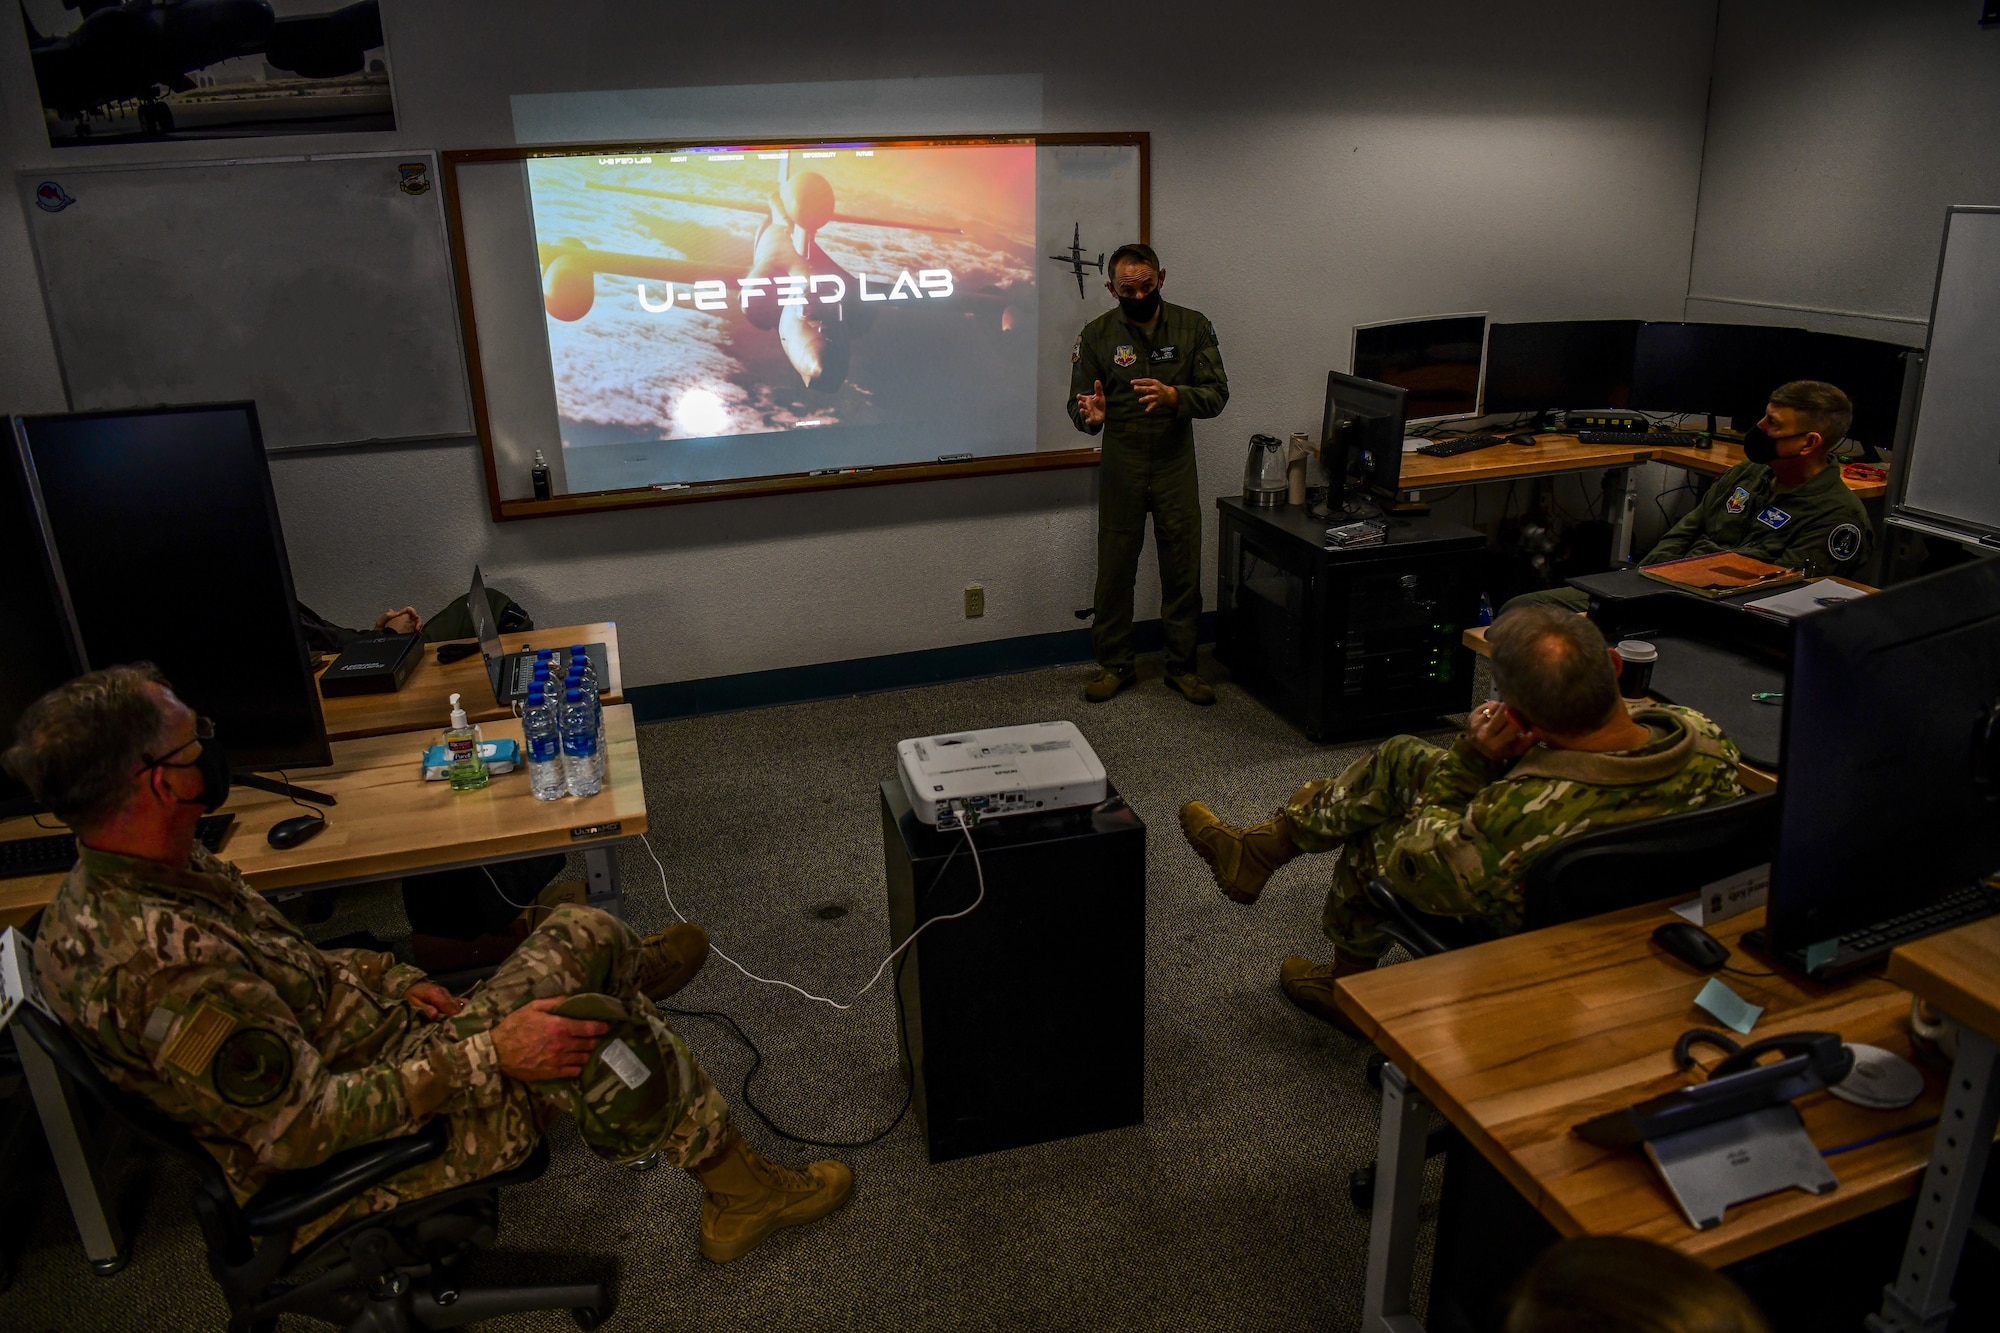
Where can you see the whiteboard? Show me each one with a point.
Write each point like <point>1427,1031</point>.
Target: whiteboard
<point>320,288</point>
<point>1951,475</point>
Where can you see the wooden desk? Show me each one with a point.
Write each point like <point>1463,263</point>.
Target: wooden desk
<point>390,822</point>
<point>422,702</point>
<point>1958,973</point>
<point>1726,455</point>
<point>1550,454</point>
<point>1518,1040</point>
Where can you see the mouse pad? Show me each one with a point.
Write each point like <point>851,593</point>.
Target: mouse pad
<point>1717,683</point>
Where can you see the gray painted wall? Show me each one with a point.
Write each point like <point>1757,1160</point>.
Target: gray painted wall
<point>1839,131</point>
<point>1314,167</point>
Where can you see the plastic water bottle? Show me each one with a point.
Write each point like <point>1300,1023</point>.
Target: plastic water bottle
<point>580,681</point>
<point>579,663</point>
<point>543,734</point>
<point>581,772</point>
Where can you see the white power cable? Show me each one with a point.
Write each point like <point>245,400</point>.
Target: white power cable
<point>964,827</point>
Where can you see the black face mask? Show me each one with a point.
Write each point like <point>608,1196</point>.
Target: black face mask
<point>1141,308</point>
<point>213,765</point>
<point>1759,447</point>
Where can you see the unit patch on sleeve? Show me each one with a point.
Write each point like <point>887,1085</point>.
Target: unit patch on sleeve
<point>1076,352</point>
<point>1844,543</point>
<point>1738,499</point>
<point>253,1067</point>
<point>1126,356</point>
<point>1773,517</point>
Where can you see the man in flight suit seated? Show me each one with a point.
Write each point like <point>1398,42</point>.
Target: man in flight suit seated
<point>191,990</point>
<point>1142,374</point>
<point>1787,505</point>
<point>1455,830</point>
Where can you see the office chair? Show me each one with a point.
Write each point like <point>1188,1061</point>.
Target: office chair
<point>1609,870</point>
<point>390,1272</point>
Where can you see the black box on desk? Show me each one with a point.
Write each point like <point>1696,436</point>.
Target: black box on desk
<point>1027,1018</point>
<point>376,664</point>
<point>1364,641</point>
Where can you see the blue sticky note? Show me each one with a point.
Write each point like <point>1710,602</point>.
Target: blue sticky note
<point>1731,1008</point>
<point>1821,953</point>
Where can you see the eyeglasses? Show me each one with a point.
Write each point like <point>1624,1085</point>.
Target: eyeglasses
<point>204,730</point>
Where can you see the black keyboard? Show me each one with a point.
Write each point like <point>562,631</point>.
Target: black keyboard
<point>1683,438</point>
<point>1464,444</point>
<point>1872,944</point>
<point>56,853</point>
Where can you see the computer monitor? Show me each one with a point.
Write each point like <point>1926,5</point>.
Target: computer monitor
<point>1437,361</point>
<point>1361,436</point>
<point>1891,756</point>
<point>1731,369</point>
<point>1577,364</point>
<point>37,642</point>
<point>166,541</point>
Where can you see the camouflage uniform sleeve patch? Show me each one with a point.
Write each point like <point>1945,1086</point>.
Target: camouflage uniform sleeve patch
<point>253,1067</point>
<point>195,1045</point>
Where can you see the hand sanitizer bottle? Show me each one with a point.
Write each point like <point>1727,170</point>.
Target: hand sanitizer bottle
<point>468,770</point>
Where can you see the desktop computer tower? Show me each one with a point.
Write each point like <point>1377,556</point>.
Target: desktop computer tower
<point>1347,643</point>
<point>1026,1018</point>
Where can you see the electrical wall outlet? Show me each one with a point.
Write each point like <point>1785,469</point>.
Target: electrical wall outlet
<point>975,600</point>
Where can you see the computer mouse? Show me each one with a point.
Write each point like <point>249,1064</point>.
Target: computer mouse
<point>1692,945</point>
<point>1522,437</point>
<point>291,832</point>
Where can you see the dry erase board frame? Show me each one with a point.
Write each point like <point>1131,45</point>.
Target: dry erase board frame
<point>587,501</point>
<point>1947,477</point>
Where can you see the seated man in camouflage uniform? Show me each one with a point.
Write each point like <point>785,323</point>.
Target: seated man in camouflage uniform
<point>191,990</point>
<point>1786,504</point>
<point>1455,831</point>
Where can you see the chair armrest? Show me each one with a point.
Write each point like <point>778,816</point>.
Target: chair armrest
<point>296,1197</point>
<point>1403,925</point>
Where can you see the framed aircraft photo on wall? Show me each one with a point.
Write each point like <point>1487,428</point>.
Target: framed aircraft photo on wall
<point>125,71</point>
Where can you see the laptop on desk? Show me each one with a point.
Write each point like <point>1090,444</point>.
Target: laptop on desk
<point>511,673</point>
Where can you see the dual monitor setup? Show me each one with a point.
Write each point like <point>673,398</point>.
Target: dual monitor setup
<point>154,536</point>
<point>1460,367</point>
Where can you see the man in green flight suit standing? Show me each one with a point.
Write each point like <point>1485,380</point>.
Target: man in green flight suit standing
<point>1141,374</point>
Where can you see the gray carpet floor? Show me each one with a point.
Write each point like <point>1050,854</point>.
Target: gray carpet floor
<point>1226,1209</point>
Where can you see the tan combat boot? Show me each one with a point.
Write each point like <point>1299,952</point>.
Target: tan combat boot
<point>670,959</point>
<point>748,1197</point>
<point>1107,683</point>
<point>1192,688</point>
<point>1242,859</point>
<point>1309,985</point>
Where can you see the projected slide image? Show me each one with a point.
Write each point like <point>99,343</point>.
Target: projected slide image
<point>743,312</point>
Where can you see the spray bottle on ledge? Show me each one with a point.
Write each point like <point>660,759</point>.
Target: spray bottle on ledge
<point>468,770</point>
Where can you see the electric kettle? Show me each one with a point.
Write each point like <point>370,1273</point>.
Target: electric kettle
<point>1264,472</point>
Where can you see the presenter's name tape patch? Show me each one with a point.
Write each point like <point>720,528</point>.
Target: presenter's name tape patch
<point>253,1068</point>
<point>620,1060</point>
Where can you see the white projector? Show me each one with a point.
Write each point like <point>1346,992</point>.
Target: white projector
<point>1004,771</point>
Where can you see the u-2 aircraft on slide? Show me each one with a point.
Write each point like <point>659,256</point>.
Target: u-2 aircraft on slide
<point>792,285</point>
<point>139,50</point>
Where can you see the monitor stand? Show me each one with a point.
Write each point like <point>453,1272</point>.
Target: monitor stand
<point>258,782</point>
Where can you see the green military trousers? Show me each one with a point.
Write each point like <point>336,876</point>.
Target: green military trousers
<point>1362,812</point>
<point>577,951</point>
<point>1132,481</point>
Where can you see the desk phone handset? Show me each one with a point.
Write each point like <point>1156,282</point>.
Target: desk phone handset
<point>1737,1086</point>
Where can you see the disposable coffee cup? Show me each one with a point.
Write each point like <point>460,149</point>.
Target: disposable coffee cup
<point>1637,677</point>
